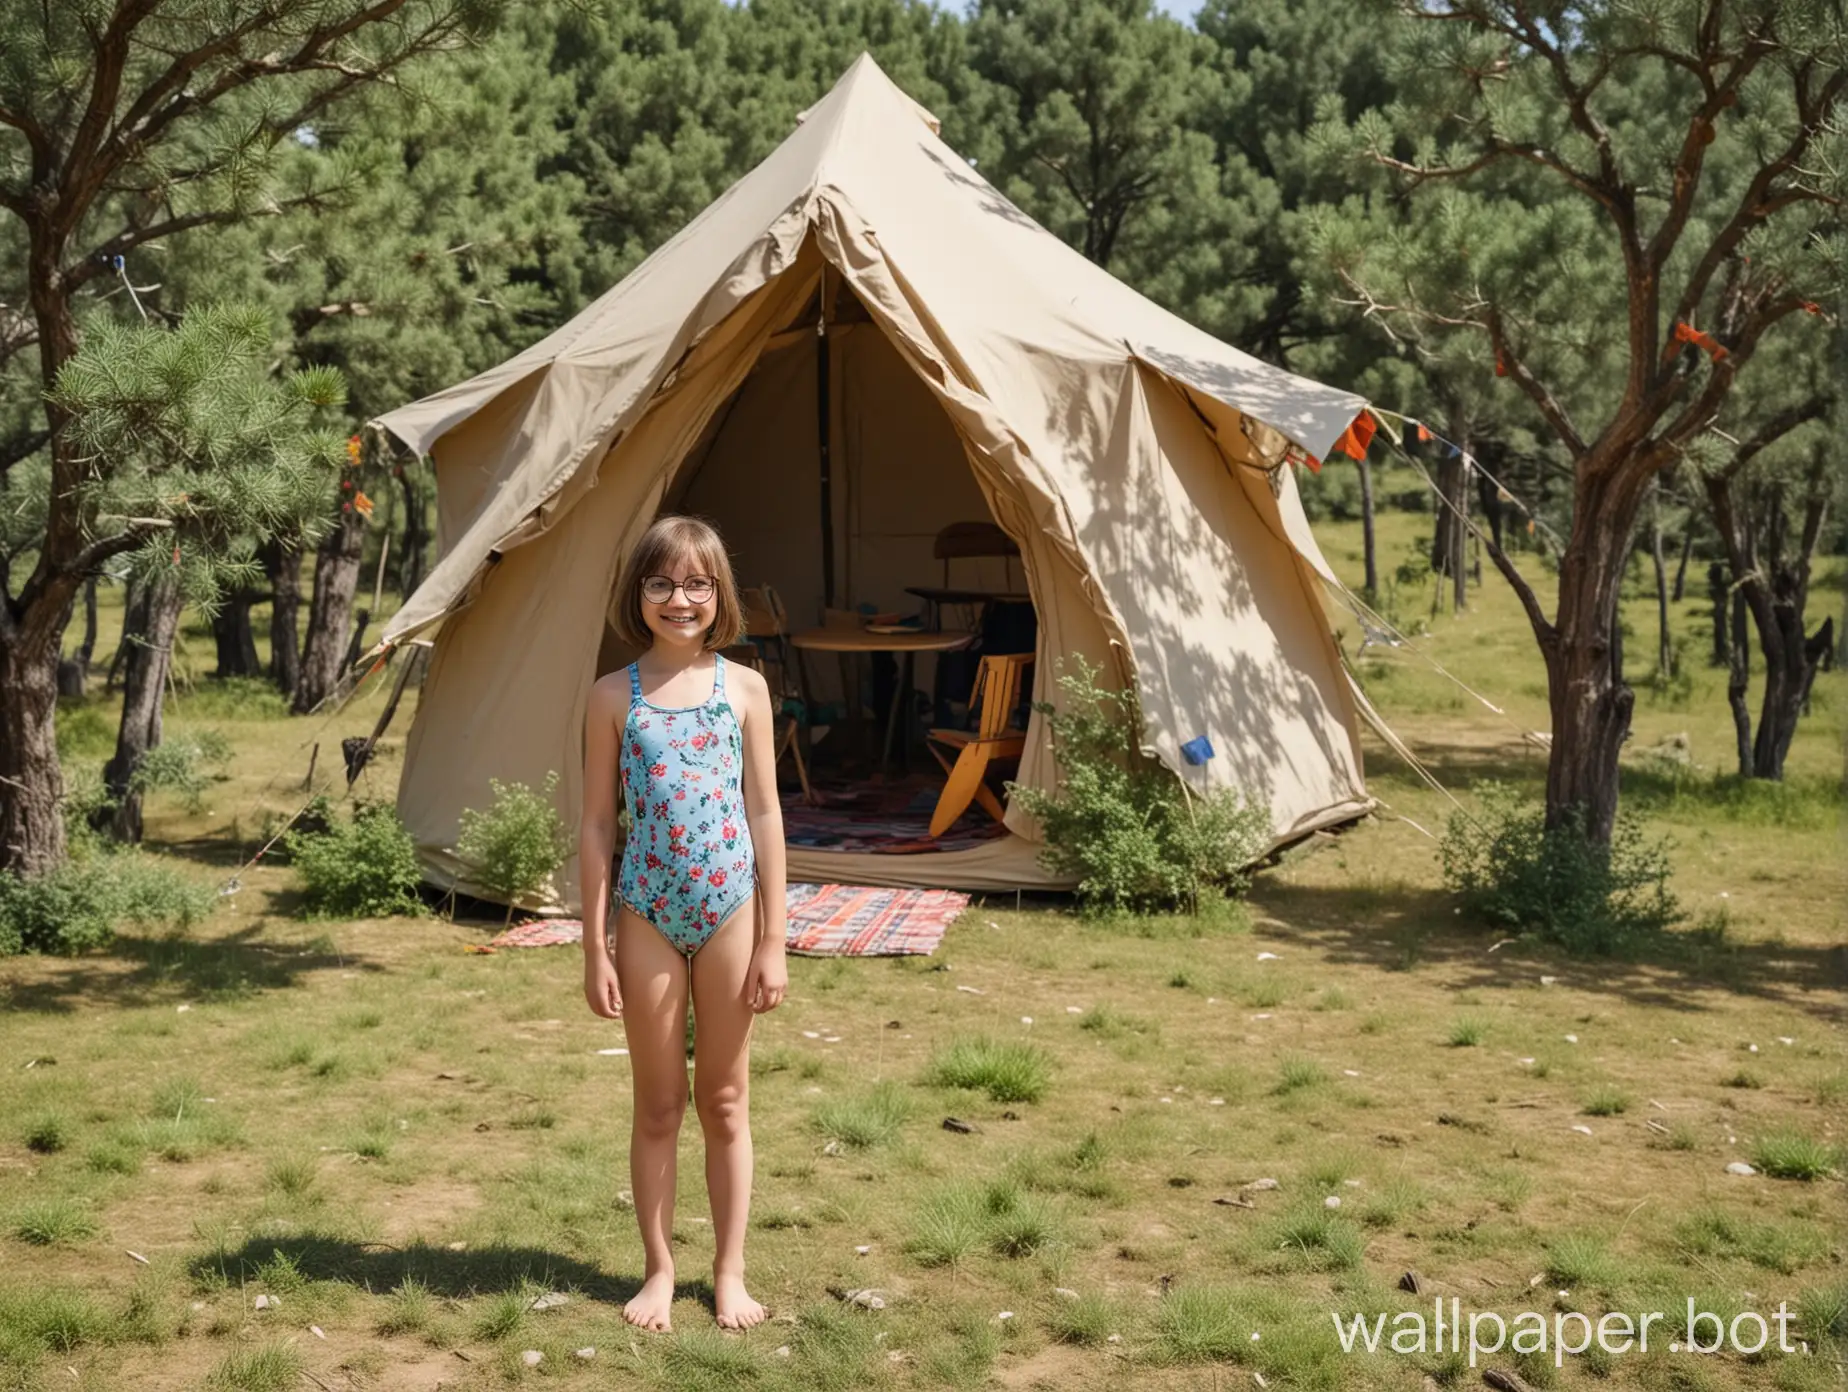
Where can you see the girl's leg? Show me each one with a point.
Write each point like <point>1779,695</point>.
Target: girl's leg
<point>722,1095</point>
<point>653,976</point>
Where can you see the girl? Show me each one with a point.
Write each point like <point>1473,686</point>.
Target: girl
<point>699,893</point>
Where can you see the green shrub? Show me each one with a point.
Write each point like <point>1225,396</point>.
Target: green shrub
<point>513,847</point>
<point>79,905</point>
<point>1122,824</point>
<point>180,766</point>
<point>1511,872</point>
<point>362,868</point>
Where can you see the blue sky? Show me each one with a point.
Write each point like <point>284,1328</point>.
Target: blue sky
<point>1180,9</point>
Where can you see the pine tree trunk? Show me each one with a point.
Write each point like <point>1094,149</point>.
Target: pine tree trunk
<point>1444,550</point>
<point>1716,591</point>
<point>1459,546</point>
<point>283,564</point>
<point>1737,678</point>
<point>414,551</point>
<point>1665,645</point>
<point>1681,568</point>
<point>1366,530</point>
<point>237,645</point>
<point>150,629</point>
<point>74,671</point>
<point>336,574</point>
<point>1590,701</point>
<point>31,782</point>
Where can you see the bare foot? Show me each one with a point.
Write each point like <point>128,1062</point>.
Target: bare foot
<point>733,1305</point>
<point>649,1309</point>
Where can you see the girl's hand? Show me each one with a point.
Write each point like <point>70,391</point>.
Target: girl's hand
<point>769,981</point>
<point>600,987</point>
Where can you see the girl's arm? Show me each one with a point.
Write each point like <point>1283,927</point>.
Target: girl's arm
<point>609,706</point>
<point>769,973</point>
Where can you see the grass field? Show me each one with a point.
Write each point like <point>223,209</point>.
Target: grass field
<point>1195,1138</point>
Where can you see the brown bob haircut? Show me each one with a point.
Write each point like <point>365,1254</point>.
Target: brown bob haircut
<point>672,538</point>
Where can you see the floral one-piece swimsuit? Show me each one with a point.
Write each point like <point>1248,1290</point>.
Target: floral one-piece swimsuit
<point>688,864</point>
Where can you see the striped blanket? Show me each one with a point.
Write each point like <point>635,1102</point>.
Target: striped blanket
<point>825,920</point>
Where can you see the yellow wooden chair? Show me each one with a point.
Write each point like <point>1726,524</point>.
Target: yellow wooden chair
<point>997,691</point>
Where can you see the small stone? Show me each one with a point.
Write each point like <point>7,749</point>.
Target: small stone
<point>1167,1099</point>
<point>181,1009</point>
<point>1074,1010</point>
<point>1332,1201</point>
<point>973,990</point>
<point>1005,1315</point>
<point>1582,1130</point>
<point>624,1199</point>
<point>1526,1062</point>
<point>316,1330</point>
<point>1260,1017</point>
<point>863,1250</point>
<point>1739,1167</point>
<point>1065,1292</point>
<point>832,1148</point>
<point>1266,1183</point>
<point>551,1300</point>
<point>1026,1019</point>
<point>267,1302</point>
<point>612,1053</point>
<point>532,1358</point>
<point>831,1039</point>
<point>1785,1039</point>
<point>1216,1102</point>
<point>1267,957</point>
<point>781,1350</point>
<point>1351,1183</point>
<point>463,1246</point>
<point>1751,1048</point>
<point>811,1034</point>
<point>586,1353</point>
<point>1114,1339</point>
<point>1548,980</point>
<point>868,1299</point>
<point>1351,1072</point>
<point>1571,1039</point>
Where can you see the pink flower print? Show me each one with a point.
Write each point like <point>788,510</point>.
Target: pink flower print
<point>635,748</point>
<point>654,862</point>
<point>660,809</point>
<point>697,871</point>
<point>676,832</point>
<point>657,770</point>
<point>660,903</point>
<point>680,795</point>
<point>717,879</point>
<point>730,831</point>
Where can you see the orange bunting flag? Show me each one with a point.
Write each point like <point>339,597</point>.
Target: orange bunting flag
<point>1424,434</point>
<point>1501,367</point>
<point>176,553</point>
<point>353,451</point>
<point>1684,333</point>
<point>1810,307</point>
<point>1530,526</point>
<point>363,503</point>
<point>1315,465</point>
<point>1355,439</point>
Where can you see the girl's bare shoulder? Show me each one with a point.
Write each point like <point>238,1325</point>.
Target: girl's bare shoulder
<point>609,694</point>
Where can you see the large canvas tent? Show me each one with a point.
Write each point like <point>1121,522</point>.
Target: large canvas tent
<point>975,368</point>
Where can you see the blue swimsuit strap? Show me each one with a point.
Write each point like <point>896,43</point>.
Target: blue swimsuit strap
<point>635,682</point>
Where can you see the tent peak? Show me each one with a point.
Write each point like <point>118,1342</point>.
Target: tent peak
<point>865,80</point>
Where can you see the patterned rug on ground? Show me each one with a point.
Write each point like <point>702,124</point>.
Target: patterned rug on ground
<point>825,920</point>
<point>889,820</point>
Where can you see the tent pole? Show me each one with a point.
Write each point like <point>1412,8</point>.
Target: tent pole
<point>822,432</point>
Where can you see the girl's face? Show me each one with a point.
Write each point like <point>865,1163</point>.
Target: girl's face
<point>680,603</point>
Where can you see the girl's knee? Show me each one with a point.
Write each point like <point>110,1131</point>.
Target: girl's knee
<point>724,1108</point>
<point>659,1117</point>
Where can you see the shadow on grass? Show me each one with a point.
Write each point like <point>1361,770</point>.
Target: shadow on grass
<point>1400,930</point>
<point>140,970</point>
<point>379,1267</point>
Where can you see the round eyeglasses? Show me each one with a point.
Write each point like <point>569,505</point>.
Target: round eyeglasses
<point>658,589</point>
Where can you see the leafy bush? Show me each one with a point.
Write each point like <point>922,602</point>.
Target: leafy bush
<point>514,846</point>
<point>362,868</point>
<point>80,904</point>
<point>1513,873</point>
<point>179,766</point>
<point>1124,825</point>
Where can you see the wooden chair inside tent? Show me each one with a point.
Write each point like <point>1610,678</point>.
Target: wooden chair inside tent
<point>766,626</point>
<point>997,692</point>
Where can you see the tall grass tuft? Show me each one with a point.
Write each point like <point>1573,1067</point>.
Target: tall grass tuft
<point>1007,1070</point>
